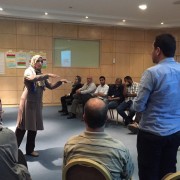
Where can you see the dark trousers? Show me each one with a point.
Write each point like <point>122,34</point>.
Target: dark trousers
<point>64,101</point>
<point>30,143</point>
<point>156,155</point>
<point>85,98</point>
<point>123,107</point>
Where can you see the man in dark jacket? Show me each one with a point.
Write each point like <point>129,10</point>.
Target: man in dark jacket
<point>68,98</point>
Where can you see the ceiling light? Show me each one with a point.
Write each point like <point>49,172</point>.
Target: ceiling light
<point>162,23</point>
<point>123,20</point>
<point>142,6</point>
<point>1,9</point>
<point>46,13</point>
<point>86,17</point>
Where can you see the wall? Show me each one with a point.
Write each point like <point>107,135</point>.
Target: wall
<point>130,48</point>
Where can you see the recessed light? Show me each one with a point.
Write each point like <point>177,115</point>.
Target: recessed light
<point>162,23</point>
<point>86,17</point>
<point>142,6</point>
<point>1,9</point>
<point>123,20</point>
<point>46,13</point>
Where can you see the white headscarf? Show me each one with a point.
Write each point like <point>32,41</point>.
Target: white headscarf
<point>34,59</point>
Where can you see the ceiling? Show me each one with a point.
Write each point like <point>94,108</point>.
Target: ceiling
<point>102,12</point>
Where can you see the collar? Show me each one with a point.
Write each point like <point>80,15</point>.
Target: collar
<point>95,135</point>
<point>170,59</point>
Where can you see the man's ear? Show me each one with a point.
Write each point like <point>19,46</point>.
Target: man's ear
<point>158,51</point>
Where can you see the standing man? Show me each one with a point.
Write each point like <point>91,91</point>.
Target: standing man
<point>96,145</point>
<point>30,108</point>
<point>158,99</point>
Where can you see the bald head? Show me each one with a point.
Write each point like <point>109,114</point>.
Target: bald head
<point>89,79</point>
<point>95,113</point>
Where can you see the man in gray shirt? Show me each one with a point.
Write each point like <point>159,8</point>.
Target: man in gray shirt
<point>82,96</point>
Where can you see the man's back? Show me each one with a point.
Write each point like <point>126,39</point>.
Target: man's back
<point>102,148</point>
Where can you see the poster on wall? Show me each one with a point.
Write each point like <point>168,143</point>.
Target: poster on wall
<point>11,59</point>
<point>29,55</point>
<point>21,60</point>
<point>2,63</point>
<point>65,57</point>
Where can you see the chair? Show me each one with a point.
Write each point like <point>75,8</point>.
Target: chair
<point>85,169</point>
<point>172,176</point>
<point>111,112</point>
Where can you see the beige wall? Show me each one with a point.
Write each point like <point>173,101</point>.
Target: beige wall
<point>131,49</point>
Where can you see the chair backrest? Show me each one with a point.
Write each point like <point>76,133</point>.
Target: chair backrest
<point>85,169</point>
<point>172,176</point>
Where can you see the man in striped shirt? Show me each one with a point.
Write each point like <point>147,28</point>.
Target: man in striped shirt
<point>96,145</point>
<point>130,92</point>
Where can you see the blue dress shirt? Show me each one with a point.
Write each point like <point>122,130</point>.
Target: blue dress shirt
<point>159,98</point>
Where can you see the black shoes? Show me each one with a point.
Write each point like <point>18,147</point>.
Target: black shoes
<point>64,114</point>
<point>127,120</point>
<point>61,111</point>
<point>134,128</point>
<point>72,116</point>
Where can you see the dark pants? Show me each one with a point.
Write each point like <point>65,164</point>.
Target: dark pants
<point>123,107</point>
<point>156,155</point>
<point>30,143</point>
<point>85,98</point>
<point>64,101</point>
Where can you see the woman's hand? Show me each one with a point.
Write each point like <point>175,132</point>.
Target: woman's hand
<point>53,75</point>
<point>64,80</point>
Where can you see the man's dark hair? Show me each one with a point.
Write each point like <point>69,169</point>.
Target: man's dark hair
<point>119,79</point>
<point>95,117</point>
<point>79,78</point>
<point>128,78</point>
<point>102,77</point>
<point>167,44</point>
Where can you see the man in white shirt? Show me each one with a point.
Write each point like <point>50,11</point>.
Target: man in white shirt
<point>102,89</point>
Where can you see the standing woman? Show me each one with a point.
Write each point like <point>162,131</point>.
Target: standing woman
<point>30,108</point>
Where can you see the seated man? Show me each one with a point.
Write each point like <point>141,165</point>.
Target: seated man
<point>77,84</point>
<point>10,167</point>
<point>102,89</point>
<point>82,95</point>
<point>130,92</point>
<point>96,145</point>
<point>115,94</point>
